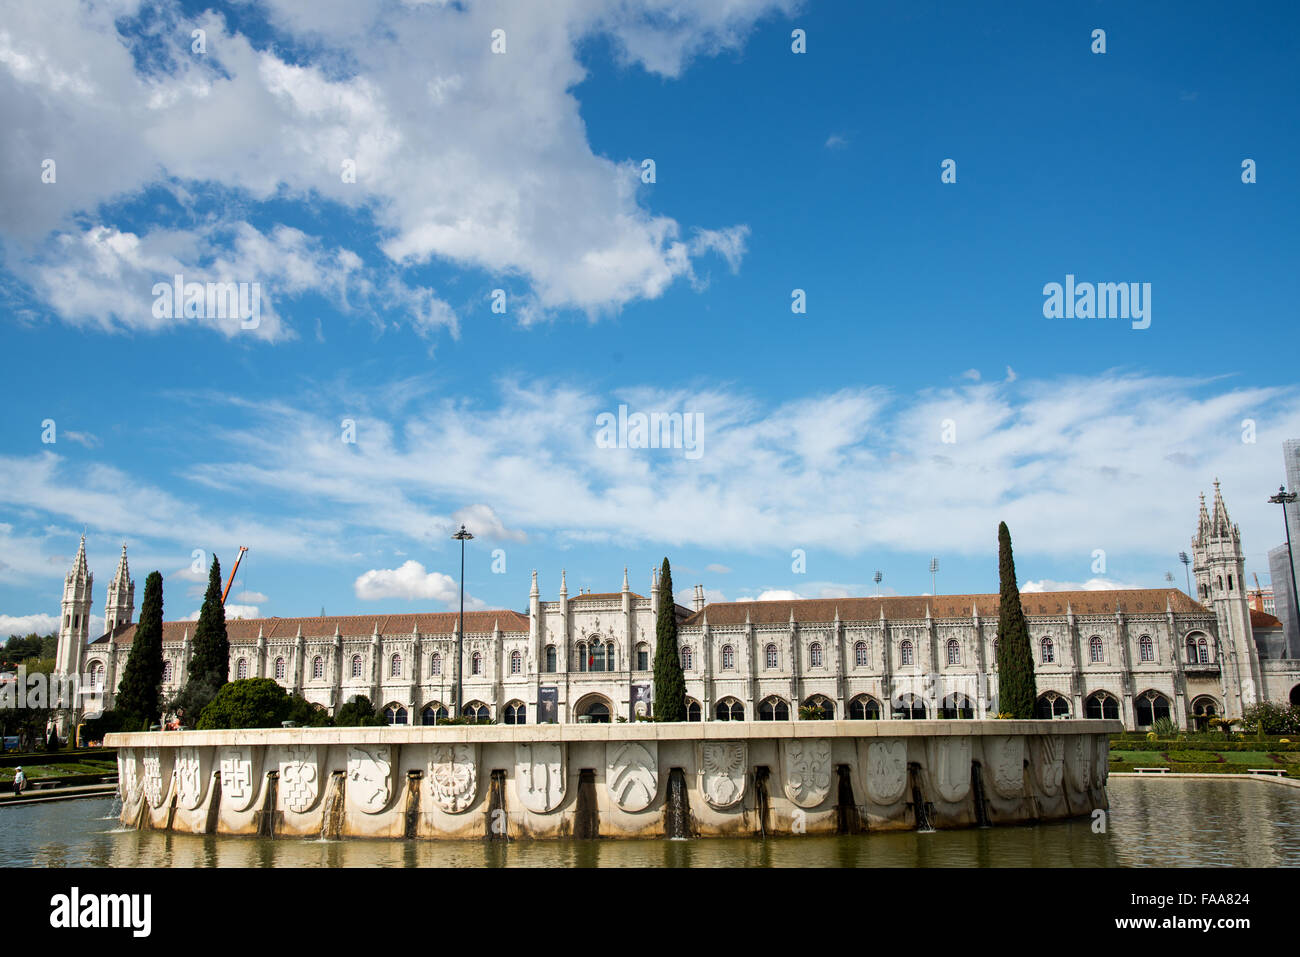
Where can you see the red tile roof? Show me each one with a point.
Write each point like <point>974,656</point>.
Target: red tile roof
<point>1262,619</point>
<point>349,626</point>
<point>1131,601</point>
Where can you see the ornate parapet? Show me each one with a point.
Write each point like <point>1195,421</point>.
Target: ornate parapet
<point>546,781</point>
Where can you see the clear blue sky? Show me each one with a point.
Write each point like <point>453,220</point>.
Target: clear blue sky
<point>774,171</point>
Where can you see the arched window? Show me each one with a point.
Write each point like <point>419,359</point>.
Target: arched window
<point>995,654</point>
<point>356,666</point>
<point>729,709</point>
<point>1051,705</point>
<point>1102,704</point>
<point>609,656</point>
<point>905,652</point>
<point>860,655</point>
<point>693,710</point>
<point>773,708</point>
<point>167,672</point>
<point>1203,709</point>
<point>516,713</point>
<point>435,664</point>
<point>643,657</point>
<point>395,714</point>
<point>688,658</point>
<point>956,706</point>
<point>1150,706</point>
<point>815,655</point>
<point>317,668</point>
<point>864,708</point>
<point>582,655</point>
<point>516,665</point>
<point>395,666</point>
<point>909,708</point>
<point>433,713</point>
<point>1146,650</point>
<point>241,668</point>
<point>822,706</point>
<point>476,664</point>
<point>476,710</point>
<point>769,656</point>
<point>550,659</point>
<point>954,652</point>
<point>1096,651</point>
<point>97,673</point>
<point>1048,651</point>
<point>1202,651</point>
<point>728,658</point>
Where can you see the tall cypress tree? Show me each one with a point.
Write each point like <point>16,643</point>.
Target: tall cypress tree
<point>209,668</point>
<point>1017,689</point>
<point>670,683</point>
<point>139,696</point>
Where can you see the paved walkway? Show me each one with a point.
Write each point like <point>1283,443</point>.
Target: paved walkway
<point>1290,782</point>
<point>32,796</point>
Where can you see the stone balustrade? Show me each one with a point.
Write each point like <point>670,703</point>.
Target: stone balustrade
<point>613,780</point>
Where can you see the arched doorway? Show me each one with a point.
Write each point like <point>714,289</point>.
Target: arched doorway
<point>1102,704</point>
<point>956,706</point>
<point>1150,706</point>
<point>1051,705</point>
<point>593,709</point>
<point>1203,709</point>
<point>1295,696</point>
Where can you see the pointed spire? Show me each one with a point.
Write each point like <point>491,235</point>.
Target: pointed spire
<point>837,614</point>
<point>80,571</point>
<point>747,621</point>
<point>533,592</point>
<point>1221,525</point>
<point>564,584</point>
<point>625,588</point>
<point>975,609</point>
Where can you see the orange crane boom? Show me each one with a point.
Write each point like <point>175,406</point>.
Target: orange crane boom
<point>238,558</point>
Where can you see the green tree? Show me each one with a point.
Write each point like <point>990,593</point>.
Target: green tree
<point>1017,690</point>
<point>209,668</point>
<point>358,712</point>
<point>246,703</point>
<point>307,715</point>
<point>139,695</point>
<point>670,683</point>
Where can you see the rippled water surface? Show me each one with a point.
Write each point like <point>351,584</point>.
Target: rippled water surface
<point>1153,822</point>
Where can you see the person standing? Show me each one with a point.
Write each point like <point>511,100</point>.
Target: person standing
<point>20,782</point>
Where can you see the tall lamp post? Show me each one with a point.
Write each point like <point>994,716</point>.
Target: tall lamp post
<point>1182,557</point>
<point>463,536</point>
<point>934,567</point>
<point>1285,498</point>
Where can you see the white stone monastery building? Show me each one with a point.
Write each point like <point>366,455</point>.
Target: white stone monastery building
<point>1137,655</point>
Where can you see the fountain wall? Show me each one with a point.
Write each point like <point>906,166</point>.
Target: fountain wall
<point>619,780</point>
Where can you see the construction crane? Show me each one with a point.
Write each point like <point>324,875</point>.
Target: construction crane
<point>238,558</point>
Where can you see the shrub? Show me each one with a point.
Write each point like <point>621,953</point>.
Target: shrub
<point>360,713</point>
<point>1164,728</point>
<point>307,715</point>
<point>246,703</point>
<point>1271,717</point>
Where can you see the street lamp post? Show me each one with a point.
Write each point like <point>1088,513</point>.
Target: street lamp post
<point>1182,557</point>
<point>463,536</point>
<point>1285,498</point>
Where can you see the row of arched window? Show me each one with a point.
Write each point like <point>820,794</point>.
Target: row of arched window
<point>515,712</point>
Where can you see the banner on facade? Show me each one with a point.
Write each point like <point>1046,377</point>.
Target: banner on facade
<point>640,700</point>
<point>548,705</point>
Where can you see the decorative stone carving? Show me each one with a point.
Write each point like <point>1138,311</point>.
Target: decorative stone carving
<point>1078,762</point>
<point>299,777</point>
<point>190,780</point>
<point>152,778</point>
<point>950,766</point>
<point>237,785</point>
<point>632,774</point>
<point>128,779</point>
<point>1100,759</point>
<point>1006,761</point>
<point>722,772</point>
<point>807,770</point>
<point>886,770</point>
<point>539,776</point>
<point>453,776</point>
<point>368,777</point>
<point>1049,751</point>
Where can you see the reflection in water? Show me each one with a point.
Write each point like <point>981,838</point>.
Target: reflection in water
<point>1153,822</point>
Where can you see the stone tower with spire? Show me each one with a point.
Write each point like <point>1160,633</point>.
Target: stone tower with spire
<point>74,628</point>
<point>1220,570</point>
<point>119,603</point>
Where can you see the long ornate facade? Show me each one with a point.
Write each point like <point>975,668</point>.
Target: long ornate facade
<point>1137,655</point>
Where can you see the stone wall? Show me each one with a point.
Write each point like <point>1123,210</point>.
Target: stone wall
<point>620,780</point>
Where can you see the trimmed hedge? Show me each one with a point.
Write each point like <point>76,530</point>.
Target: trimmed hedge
<point>1240,744</point>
